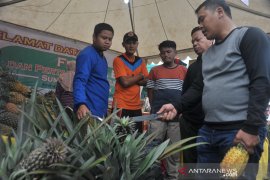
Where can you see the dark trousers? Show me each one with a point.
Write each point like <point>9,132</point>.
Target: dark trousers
<point>187,130</point>
<point>132,113</point>
<point>219,142</point>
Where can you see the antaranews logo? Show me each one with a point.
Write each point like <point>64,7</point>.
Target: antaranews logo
<point>225,173</point>
<point>183,171</point>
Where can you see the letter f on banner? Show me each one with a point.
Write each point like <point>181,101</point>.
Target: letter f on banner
<point>61,61</point>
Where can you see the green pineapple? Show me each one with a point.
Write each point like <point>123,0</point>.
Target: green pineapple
<point>10,119</point>
<point>123,127</point>
<point>51,152</point>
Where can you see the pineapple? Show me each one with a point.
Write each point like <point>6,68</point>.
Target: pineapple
<point>5,130</point>
<point>10,119</point>
<point>123,127</point>
<point>17,86</point>
<point>51,152</point>
<point>2,103</point>
<point>16,98</point>
<point>235,159</point>
<point>50,97</point>
<point>11,107</point>
<point>40,99</point>
<point>7,76</point>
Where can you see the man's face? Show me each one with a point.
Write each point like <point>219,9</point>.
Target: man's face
<point>103,40</point>
<point>199,42</point>
<point>130,46</point>
<point>208,21</point>
<point>167,55</point>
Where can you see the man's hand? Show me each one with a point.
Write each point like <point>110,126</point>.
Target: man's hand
<point>167,111</point>
<point>82,111</point>
<point>248,140</point>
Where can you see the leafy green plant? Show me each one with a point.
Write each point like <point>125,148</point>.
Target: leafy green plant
<point>93,150</point>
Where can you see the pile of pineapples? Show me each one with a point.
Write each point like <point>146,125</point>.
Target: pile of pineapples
<point>12,95</point>
<point>44,148</point>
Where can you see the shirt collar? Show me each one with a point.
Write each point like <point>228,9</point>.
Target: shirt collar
<point>98,51</point>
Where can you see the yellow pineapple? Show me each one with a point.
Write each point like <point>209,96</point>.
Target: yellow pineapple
<point>11,107</point>
<point>235,160</point>
<point>17,86</point>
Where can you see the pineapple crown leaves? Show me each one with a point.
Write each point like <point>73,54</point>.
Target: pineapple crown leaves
<point>242,146</point>
<point>104,123</point>
<point>11,155</point>
<point>178,147</point>
<point>89,164</point>
<point>151,157</point>
<point>132,158</point>
<point>105,141</point>
<point>124,126</point>
<point>67,121</point>
<point>35,115</point>
<point>123,121</point>
<point>106,157</point>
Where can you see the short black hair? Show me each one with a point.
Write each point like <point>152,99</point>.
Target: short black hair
<point>167,44</point>
<point>197,28</point>
<point>102,26</point>
<point>213,4</point>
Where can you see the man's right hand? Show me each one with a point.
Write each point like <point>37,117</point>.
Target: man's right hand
<point>82,111</point>
<point>167,112</point>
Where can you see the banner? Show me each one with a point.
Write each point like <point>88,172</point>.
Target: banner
<point>34,55</point>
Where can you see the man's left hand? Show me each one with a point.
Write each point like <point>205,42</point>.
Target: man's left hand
<point>248,140</point>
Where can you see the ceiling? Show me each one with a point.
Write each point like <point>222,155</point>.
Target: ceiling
<point>154,20</point>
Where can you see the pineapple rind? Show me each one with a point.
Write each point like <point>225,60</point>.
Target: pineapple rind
<point>10,119</point>
<point>16,98</point>
<point>51,152</point>
<point>11,107</point>
<point>236,158</point>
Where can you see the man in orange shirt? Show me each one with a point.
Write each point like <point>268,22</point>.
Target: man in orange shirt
<point>130,73</point>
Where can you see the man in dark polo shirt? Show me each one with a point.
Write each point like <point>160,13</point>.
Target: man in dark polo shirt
<point>235,88</point>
